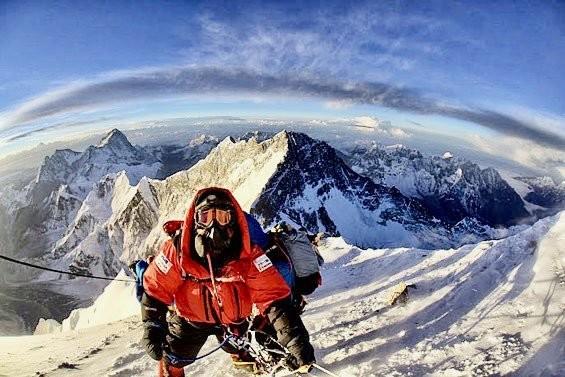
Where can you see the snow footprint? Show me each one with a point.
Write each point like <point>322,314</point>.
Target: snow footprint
<point>132,364</point>
<point>124,360</point>
<point>109,339</point>
<point>135,370</point>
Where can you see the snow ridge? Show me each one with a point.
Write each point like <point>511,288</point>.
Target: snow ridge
<point>65,179</point>
<point>451,187</point>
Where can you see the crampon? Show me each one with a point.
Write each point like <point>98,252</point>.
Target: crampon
<point>262,354</point>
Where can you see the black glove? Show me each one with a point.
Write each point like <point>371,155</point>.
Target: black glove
<point>153,315</point>
<point>292,334</point>
<point>153,339</point>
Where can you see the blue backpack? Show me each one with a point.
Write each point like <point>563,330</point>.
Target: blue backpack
<point>281,262</point>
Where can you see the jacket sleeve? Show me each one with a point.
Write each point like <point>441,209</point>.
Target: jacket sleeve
<point>266,284</point>
<point>163,276</point>
<point>153,315</point>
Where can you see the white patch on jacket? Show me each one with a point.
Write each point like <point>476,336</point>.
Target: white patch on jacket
<point>163,264</point>
<point>262,263</point>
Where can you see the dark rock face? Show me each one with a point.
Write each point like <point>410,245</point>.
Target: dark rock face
<point>544,192</point>
<point>7,245</point>
<point>547,197</point>
<point>24,304</point>
<point>451,188</point>
<point>312,180</point>
<point>483,194</point>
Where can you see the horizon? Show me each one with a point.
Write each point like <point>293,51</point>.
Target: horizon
<point>359,134</point>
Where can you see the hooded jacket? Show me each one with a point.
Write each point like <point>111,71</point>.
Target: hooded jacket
<point>174,277</point>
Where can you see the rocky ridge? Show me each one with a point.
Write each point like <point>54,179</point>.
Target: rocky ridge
<point>452,188</point>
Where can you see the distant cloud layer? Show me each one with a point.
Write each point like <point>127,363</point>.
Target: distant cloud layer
<point>136,85</point>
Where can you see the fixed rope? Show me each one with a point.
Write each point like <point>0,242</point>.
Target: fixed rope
<point>174,359</point>
<point>324,370</point>
<point>90,276</point>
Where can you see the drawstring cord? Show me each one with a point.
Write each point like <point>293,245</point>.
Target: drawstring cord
<point>213,278</point>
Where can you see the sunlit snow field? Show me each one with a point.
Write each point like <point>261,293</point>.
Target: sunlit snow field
<point>492,308</point>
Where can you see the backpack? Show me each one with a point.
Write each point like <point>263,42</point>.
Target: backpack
<point>295,247</point>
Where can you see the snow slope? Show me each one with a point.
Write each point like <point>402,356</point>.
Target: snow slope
<point>104,309</point>
<point>486,309</point>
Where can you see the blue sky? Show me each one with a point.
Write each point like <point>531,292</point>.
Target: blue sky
<point>475,66</point>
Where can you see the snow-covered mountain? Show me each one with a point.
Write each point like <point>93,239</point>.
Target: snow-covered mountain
<point>64,180</point>
<point>80,170</point>
<point>314,188</point>
<point>289,177</point>
<point>450,187</point>
<point>85,248</point>
<point>257,135</point>
<point>62,212</point>
<point>486,309</point>
<point>181,157</point>
<point>544,192</point>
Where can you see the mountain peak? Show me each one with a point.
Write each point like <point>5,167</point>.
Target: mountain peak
<point>228,140</point>
<point>202,139</point>
<point>115,138</point>
<point>295,138</point>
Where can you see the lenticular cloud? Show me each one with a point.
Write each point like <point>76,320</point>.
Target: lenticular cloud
<point>170,82</point>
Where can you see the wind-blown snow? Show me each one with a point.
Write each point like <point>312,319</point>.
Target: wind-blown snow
<point>491,308</point>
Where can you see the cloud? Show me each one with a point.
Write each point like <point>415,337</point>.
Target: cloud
<point>61,125</point>
<point>330,39</point>
<point>367,123</point>
<point>214,81</point>
<point>399,133</point>
<point>338,105</point>
<point>525,152</point>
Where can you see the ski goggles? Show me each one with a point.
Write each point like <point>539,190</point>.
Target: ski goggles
<point>205,217</point>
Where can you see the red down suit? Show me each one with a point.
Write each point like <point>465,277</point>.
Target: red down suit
<point>174,277</point>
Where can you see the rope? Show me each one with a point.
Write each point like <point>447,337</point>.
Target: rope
<point>189,360</point>
<point>324,370</point>
<point>211,352</point>
<point>63,272</point>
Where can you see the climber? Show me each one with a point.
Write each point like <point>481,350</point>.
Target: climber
<point>213,275</point>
